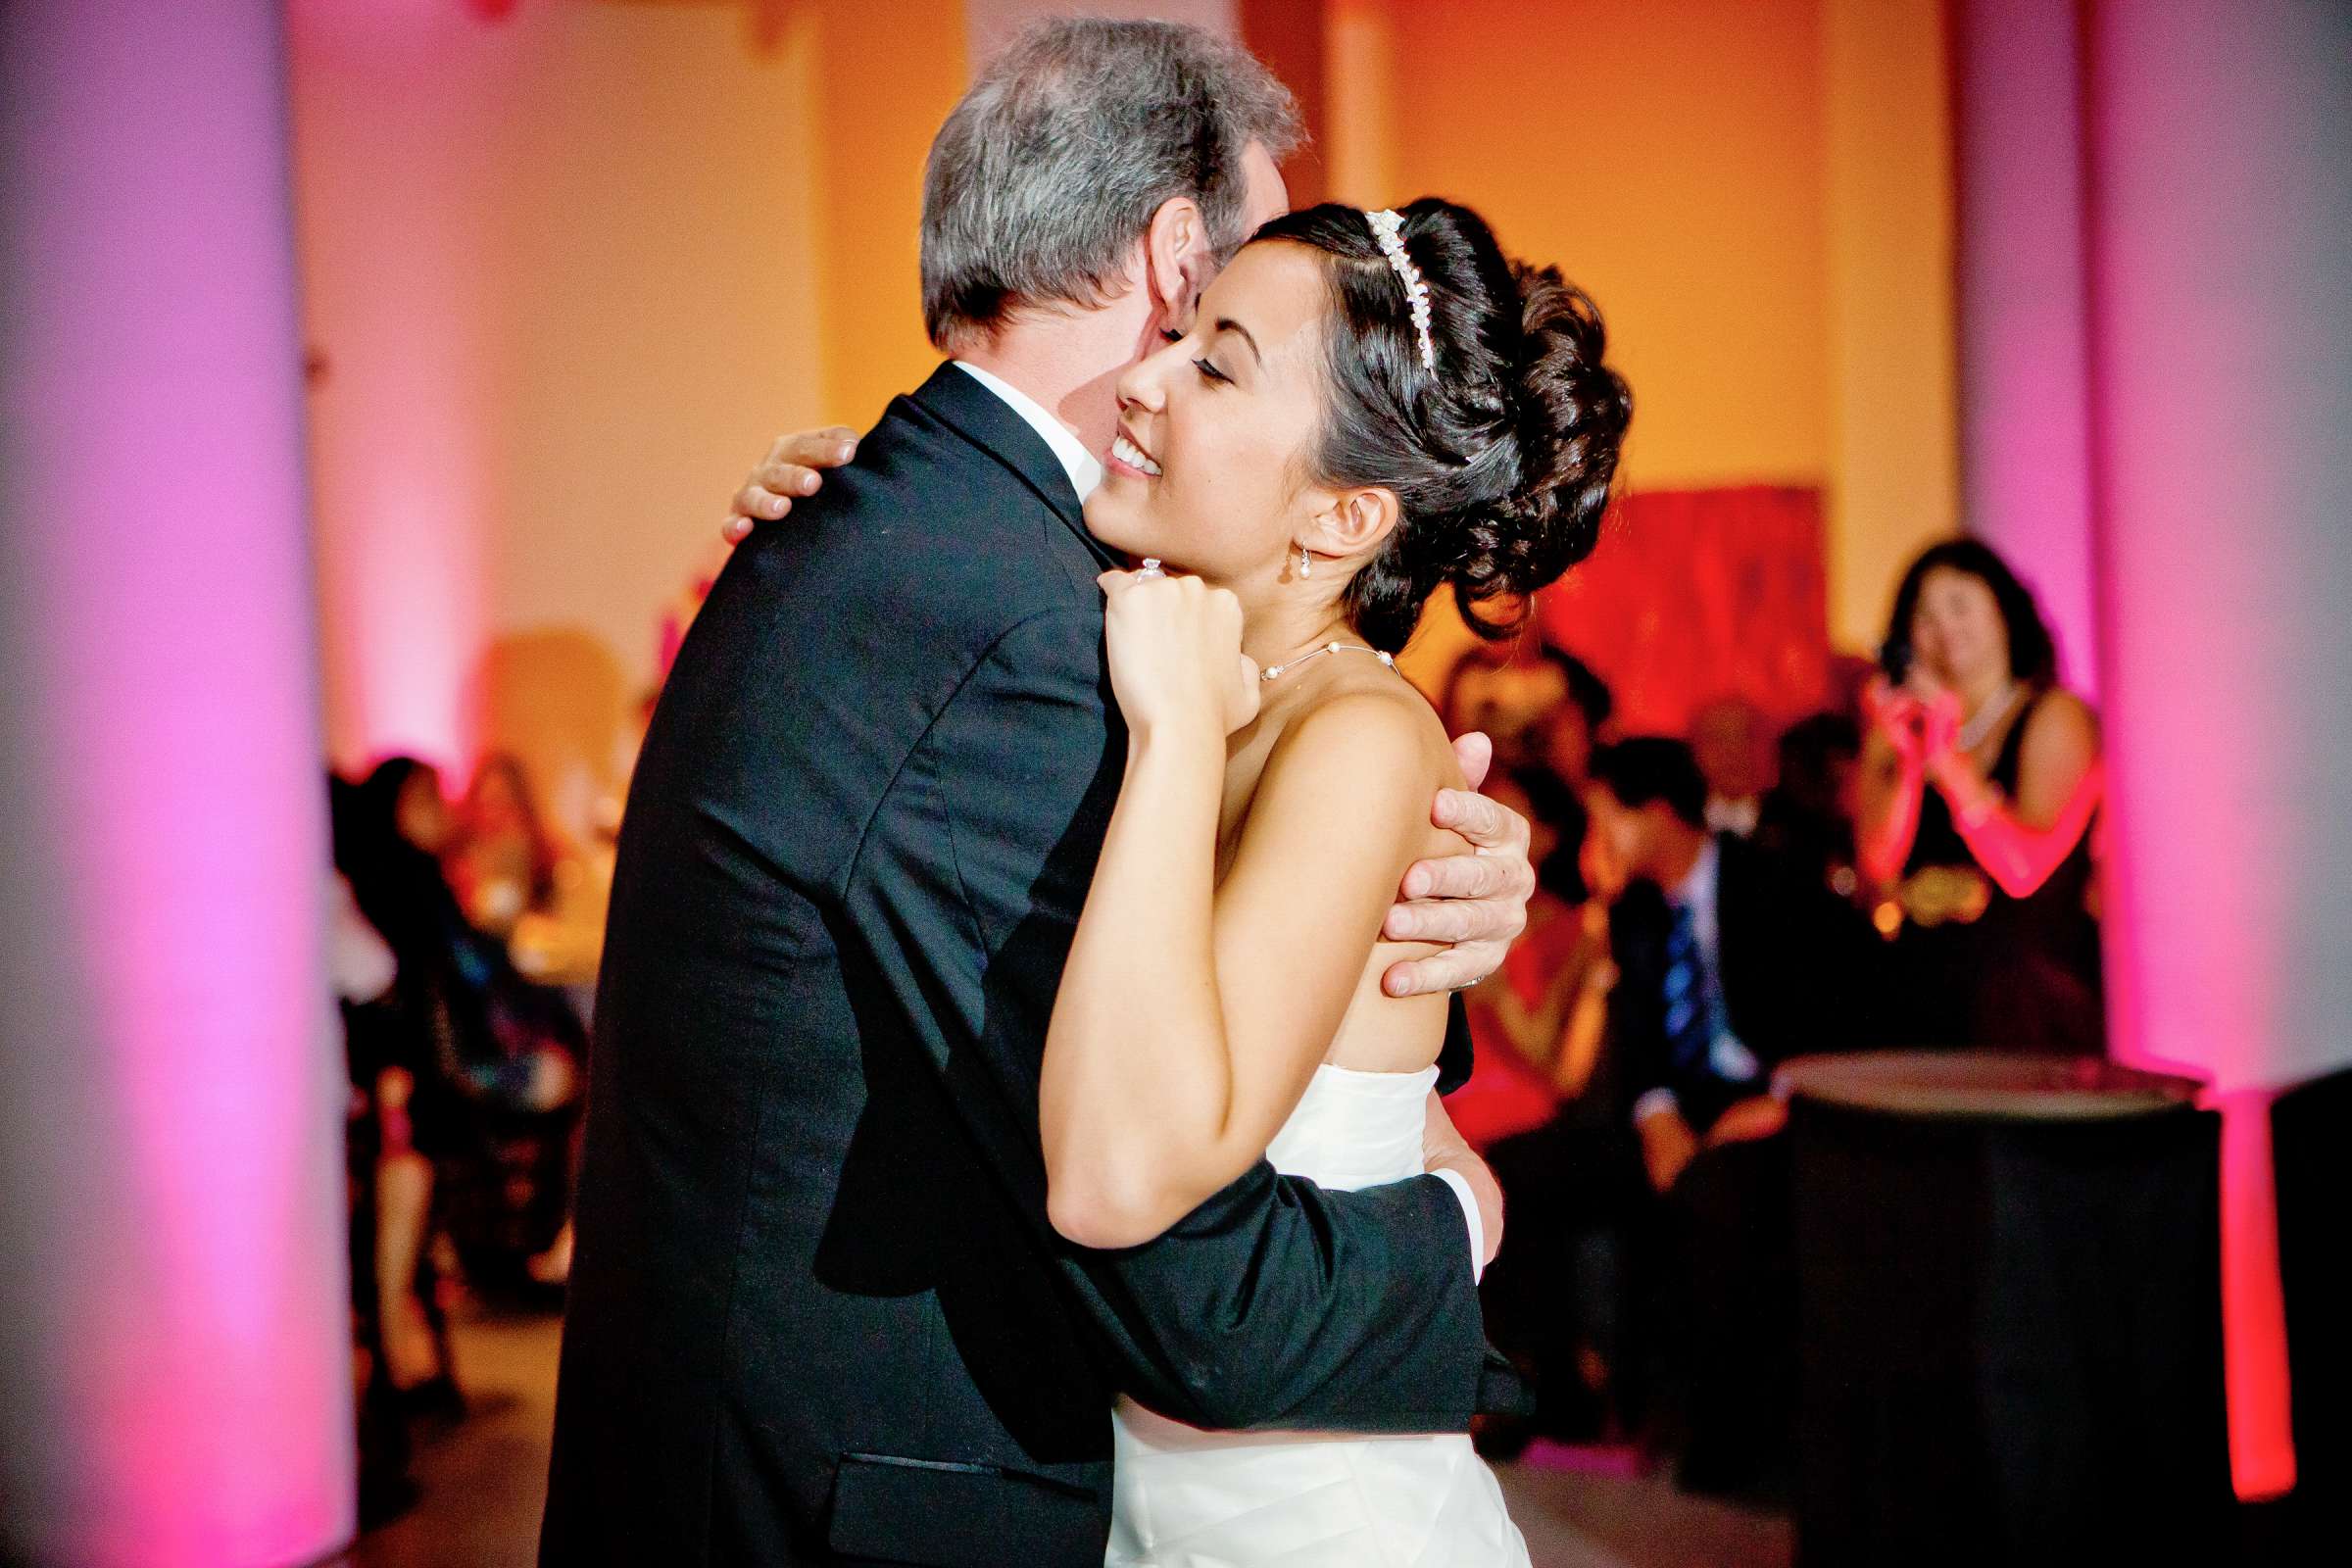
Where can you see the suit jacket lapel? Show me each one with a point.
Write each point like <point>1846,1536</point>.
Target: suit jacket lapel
<point>960,401</point>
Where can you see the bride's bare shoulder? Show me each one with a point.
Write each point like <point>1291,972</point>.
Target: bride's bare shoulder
<point>1368,719</point>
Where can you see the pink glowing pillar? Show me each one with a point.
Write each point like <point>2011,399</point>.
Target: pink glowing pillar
<point>2024,349</point>
<point>2222,440</point>
<point>175,1354</point>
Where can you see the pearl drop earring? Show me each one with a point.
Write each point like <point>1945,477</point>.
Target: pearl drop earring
<point>1307,563</point>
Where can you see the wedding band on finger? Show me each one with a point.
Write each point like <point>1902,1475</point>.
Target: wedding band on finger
<point>1150,568</point>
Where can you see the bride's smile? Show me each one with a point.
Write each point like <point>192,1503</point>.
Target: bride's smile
<point>1209,470</point>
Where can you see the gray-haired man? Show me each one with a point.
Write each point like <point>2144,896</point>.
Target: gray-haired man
<point>818,1313</point>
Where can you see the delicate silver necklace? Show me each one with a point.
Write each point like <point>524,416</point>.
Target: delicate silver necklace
<point>1993,712</point>
<point>1272,671</point>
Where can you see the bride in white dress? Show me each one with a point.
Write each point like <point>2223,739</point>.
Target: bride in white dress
<point>1369,407</point>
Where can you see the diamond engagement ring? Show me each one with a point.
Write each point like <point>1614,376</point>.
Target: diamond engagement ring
<point>1150,568</point>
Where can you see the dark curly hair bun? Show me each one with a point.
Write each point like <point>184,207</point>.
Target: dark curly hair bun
<point>1502,457</point>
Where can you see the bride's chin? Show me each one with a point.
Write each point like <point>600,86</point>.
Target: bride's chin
<point>1109,527</point>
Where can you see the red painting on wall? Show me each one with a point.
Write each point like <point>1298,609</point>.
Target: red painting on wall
<point>1696,595</point>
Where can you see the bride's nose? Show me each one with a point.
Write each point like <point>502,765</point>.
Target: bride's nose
<point>1144,384</point>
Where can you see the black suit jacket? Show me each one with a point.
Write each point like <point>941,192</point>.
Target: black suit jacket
<point>817,1310</point>
<point>1798,965</point>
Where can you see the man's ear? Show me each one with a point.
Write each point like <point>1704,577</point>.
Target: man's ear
<point>1176,262</point>
<point>1356,523</point>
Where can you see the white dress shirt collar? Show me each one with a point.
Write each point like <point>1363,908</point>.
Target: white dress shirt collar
<point>1083,467</point>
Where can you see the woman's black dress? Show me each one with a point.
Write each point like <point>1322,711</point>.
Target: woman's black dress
<point>1973,966</point>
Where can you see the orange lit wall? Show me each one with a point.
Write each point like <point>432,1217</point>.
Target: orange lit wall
<point>1758,197</point>
<point>1668,155</point>
<point>887,76</point>
<point>567,268</point>
<point>1894,441</point>
<point>560,270</point>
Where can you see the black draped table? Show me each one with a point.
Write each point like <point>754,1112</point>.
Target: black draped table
<point>2009,1296</point>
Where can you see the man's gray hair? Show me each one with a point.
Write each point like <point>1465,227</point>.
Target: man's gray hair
<point>1047,173</point>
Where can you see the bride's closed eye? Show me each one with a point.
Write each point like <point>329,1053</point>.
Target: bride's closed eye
<point>1209,372</point>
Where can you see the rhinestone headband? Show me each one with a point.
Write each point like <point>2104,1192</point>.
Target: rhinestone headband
<point>1388,230</point>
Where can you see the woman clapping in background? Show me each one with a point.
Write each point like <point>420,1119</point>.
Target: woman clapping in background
<point>1980,777</point>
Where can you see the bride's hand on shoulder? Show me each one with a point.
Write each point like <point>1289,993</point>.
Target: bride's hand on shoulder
<point>793,469</point>
<point>1175,653</point>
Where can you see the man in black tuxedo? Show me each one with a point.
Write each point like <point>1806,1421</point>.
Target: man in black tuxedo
<point>1730,961</point>
<point>817,1313</point>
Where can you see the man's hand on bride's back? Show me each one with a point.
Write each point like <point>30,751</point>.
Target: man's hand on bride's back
<point>1477,903</point>
<point>792,470</point>
<point>1443,1148</point>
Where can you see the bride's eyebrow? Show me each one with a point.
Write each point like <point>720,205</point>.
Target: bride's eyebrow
<point>1226,324</point>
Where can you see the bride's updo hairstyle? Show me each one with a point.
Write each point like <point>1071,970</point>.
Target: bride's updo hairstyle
<point>1500,453</point>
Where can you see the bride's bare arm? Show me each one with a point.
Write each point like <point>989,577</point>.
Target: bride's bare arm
<point>1190,1015</point>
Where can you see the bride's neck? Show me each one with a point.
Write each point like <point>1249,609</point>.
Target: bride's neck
<point>1281,620</point>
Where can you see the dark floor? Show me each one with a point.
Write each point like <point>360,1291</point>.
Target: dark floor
<point>482,1483</point>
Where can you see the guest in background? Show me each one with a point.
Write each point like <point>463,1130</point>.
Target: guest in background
<point>1537,1020</point>
<point>1732,740</point>
<point>1538,1104</point>
<point>388,835</point>
<point>1511,697</point>
<point>1808,814</point>
<point>1535,1100</point>
<point>1542,707</point>
<point>1980,777</point>
<point>1576,726</point>
<point>1728,963</point>
<point>475,1072</point>
<point>362,970</point>
<point>501,861</point>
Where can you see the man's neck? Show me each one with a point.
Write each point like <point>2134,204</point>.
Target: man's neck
<point>1069,361</point>
<point>1678,858</point>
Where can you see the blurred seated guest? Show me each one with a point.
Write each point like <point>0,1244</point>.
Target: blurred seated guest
<point>1518,694</point>
<point>358,961</point>
<point>1544,711</point>
<point>1537,1108</point>
<point>500,860</point>
<point>1808,814</point>
<point>1732,740</point>
<point>361,969</point>
<point>1537,1021</point>
<point>388,831</point>
<point>475,1069</point>
<point>1577,725</point>
<point>516,882</point>
<point>1727,964</point>
<point>1980,777</point>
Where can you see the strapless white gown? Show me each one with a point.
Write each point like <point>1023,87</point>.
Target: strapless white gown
<point>1182,1498</point>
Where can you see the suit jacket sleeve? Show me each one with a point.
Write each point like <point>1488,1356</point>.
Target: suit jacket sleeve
<point>1276,1303</point>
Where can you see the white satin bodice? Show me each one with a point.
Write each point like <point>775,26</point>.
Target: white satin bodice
<point>1355,1129</point>
<point>1182,1498</point>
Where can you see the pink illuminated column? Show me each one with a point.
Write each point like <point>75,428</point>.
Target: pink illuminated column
<point>175,1353</point>
<point>2022,290</point>
<point>2222,376</point>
